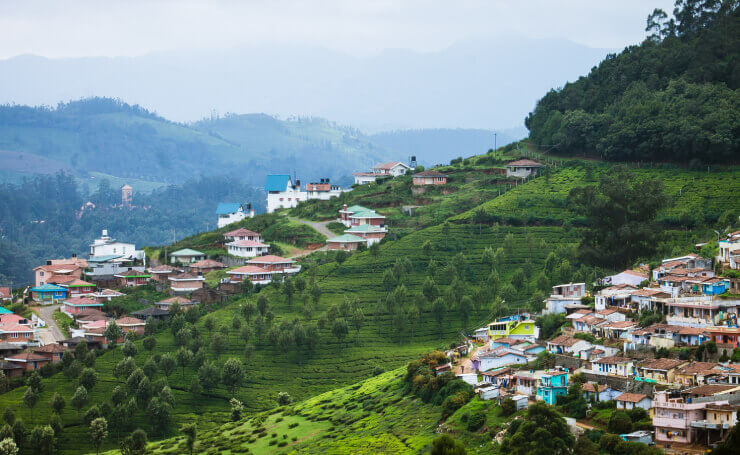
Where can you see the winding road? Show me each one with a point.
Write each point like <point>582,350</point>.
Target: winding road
<point>51,333</point>
<point>319,226</point>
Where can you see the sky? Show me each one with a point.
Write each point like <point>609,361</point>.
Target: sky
<point>84,28</point>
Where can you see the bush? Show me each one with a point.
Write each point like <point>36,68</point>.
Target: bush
<point>620,423</point>
<point>508,407</point>
<point>476,421</point>
<point>637,414</point>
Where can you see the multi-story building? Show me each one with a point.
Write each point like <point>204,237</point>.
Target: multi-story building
<point>231,212</point>
<point>108,246</point>
<point>565,294</point>
<point>552,384</point>
<point>283,193</point>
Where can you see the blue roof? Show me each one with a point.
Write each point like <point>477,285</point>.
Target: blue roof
<point>49,287</point>
<point>106,258</point>
<point>224,208</point>
<point>4,310</point>
<point>277,182</point>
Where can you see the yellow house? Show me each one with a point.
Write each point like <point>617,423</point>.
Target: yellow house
<point>523,330</point>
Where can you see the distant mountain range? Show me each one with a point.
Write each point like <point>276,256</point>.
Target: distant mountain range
<point>486,84</point>
<point>104,136</point>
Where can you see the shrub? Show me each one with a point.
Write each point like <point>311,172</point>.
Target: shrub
<point>508,407</point>
<point>620,423</point>
<point>637,414</point>
<point>476,421</point>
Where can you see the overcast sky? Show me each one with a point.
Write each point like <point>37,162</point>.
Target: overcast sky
<point>54,28</point>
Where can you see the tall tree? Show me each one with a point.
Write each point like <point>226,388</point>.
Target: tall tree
<point>98,432</point>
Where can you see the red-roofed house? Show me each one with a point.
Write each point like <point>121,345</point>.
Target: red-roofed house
<point>205,266</point>
<point>78,287</point>
<point>28,360</point>
<point>256,275</point>
<point>242,234</point>
<point>53,352</point>
<point>522,168</point>
<point>44,272</point>
<point>275,264</point>
<point>633,400</point>
<point>75,305</point>
<point>129,324</point>
<point>430,177</point>
<point>4,294</point>
<point>186,282</point>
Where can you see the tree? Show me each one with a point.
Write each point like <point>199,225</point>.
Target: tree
<point>9,416</point>
<point>42,440</point>
<point>150,343</point>
<point>129,349</point>
<point>232,375</point>
<point>30,399</point>
<point>541,431</point>
<point>113,333</point>
<point>167,364</point>
<point>191,432</point>
<point>8,447</point>
<point>144,393</point>
<point>236,323</point>
<point>150,328</point>
<point>446,445</point>
<point>19,433</point>
<point>465,307</point>
<point>439,309</point>
<point>79,399</point>
<point>315,293</point>
<point>159,413</point>
<point>218,344</point>
<point>549,324</point>
<point>284,399</point>
<point>374,249</point>
<point>262,304</point>
<point>340,257</point>
<point>236,409</point>
<point>208,375</point>
<point>357,320</point>
<point>88,378</point>
<point>81,350</point>
<point>183,357</point>
<point>620,423</point>
<point>209,324</point>
<point>621,212</point>
<point>98,432</point>
<point>340,330</point>
<point>508,407</point>
<point>34,381</point>
<point>584,446</point>
<point>134,444</point>
<point>58,403</point>
<point>250,309</point>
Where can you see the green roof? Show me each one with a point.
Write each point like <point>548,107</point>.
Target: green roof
<point>365,228</point>
<point>187,252</point>
<point>358,208</point>
<point>106,258</point>
<point>366,214</point>
<point>346,238</point>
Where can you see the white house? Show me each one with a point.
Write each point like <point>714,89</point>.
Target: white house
<point>633,400</point>
<point>231,212</point>
<point>382,170</point>
<point>488,392</point>
<point>282,192</point>
<point>247,248</point>
<point>613,365</point>
<point>565,344</point>
<point>565,294</point>
<point>242,234</point>
<point>107,246</point>
<point>322,190</point>
<point>630,277</point>
<point>615,296</point>
<point>600,392</point>
<point>522,168</point>
<point>729,250</point>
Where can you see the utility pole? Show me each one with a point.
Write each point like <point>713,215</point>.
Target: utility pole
<point>494,141</point>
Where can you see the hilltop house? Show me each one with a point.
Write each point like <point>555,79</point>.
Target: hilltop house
<point>16,330</point>
<point>282,192</point>
<point>370,233</point>
<point>242,234</point>
<point>186,256</point>
<point>168,302</point>
<point>161,273</point>
<point>515,329</point>
<point>54,269</point>
<point>107,246</point>
<point>231,212</point>
<point>247,248</point>
<point>345,242</point>
<point>523,168</point>
<point>430,177</point>
<point>75,305</point>
<point>565,294</point>
<point>205,266</point>
<point>186,282</point>
<point>260,270</point>
<point>132,278</point>
<point>370,217</point>
<point>322,190</point>
<point>383,170</point>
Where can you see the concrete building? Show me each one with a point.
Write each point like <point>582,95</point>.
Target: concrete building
<point>231,212</point>
<point>523,168</point>
<point>108,246</point>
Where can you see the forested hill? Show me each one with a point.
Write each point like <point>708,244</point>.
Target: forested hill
<point>675,97</point>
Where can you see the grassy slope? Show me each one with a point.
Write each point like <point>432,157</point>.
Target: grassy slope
<point>271,371</point>
<point>372,416</point>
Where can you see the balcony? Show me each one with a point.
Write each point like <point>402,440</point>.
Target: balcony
<point>679,424</point>
<point>707,425</point>
<point>690,322</point>
<point>680,406</point>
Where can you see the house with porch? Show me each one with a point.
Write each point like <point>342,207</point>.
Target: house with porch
<point>696,373</point>
<point>132,278</point>
<point>370,217</point>
<point>78,287</point>
<point>430,177</point>
<point>256,275</point>
<point>186,256</point>
<point>67,268</point>
<point>247,248</point>
<point>345,242</point>
<point>613,365</point>
<point>662,371</point>
<point>565,344</point>
<point>48,293</point>
<point>53,352</point>
<point>370,233</point>
<point>619,329</point>
<point>242,234</point>
<point>526,382</point>
<point>619,296</point>
<point>345,212</point>
<point>131,325</point>
<point>725,335</point>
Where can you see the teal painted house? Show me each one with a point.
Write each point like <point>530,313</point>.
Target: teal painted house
<point>551,386</point>
<point>48,292</point>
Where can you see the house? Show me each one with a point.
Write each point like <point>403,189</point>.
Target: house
<point>322,190</point>
<point>257,275</point>
<point>619,296</point>
<point>48,293</point>
<point>11,370</point>
<point>525,329</point>
<point>599,392</point>
<point>247,248</point>
<point>662,371</point>
<point>105,295</point>
<point>588,324</point>
<point>565,294</point>
<point>523,168</point>
<point>565,344</point>
<point>53,352</point>
<point>618,329</point>
<point>5,294</point>
<point>102,269</point>
<point>481,334</point>
<point>629,401</point>
<point>231,212</point>
<point>78,287</point>
<point>696,373</point>
<point>153,312</point>
<point>28,360</point>
<point>345,242</point>
<point>526,382</point>
<point>728,250</point>
<point>50,270</point>
<point>186,256</point>
<point>521,401</point>
<point>552,384</point>
<point>725,335</point>
<point>392,169</point>
<point>89,315</point>
<point>168,302</point>
<point>579,314</point>
<point>275,264</point>
<point>370,233</point>
<point>132,278</point>
<point>74,305</point>
<point>613,365</point>
<point>107,246</point>
<point>630,277</point>
<point>672,418</point>
<point>72,343</point>
<point>242,234</point>
<point>345,212</point>
<point>643,299</point>
<point>161,273</point>
<point>430,177</point>
<point>131,325</point>
<point>708,285</point>
<point>500,377</point>
<point>10,348</point>
<point>488,392</point>
<point>205,266</point>
<point>16,329</point>
<point>370,217</point>
<point>719,419</point>
<point>186,282</point>
<point>528,348</point>
<point>282,193</point>
<point>611,315</point>
<point>499,357</point>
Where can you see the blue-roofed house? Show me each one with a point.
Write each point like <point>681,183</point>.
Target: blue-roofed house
<point>48,292</point>
<point>282,192</point>
<point>231,212</point>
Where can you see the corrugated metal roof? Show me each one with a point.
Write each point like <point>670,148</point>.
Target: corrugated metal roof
<point>277,182</point>
<point>224,208</point>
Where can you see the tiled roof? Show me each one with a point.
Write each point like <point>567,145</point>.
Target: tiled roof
<point>252,243</point>
<point>78,283</point>
<point>186,277</point>
<point>709,389</point>
<point>632,272</point>
<point>26,356</point>
<point>660,364</point>
<point>58,268</point>
<point>509,341</point>
<point>247,270</point>
<point>389,165</point>
<point>10,328</point>
<point>612,360</point>
<point>589,387</point>
<point>430,173</point>
<point>620,325</point>
<point>207,264</point>
<point>132,274</point>
<point>81,301</point>
<point>269,259</point>
<point>241,232</point>
<point>631,397</point>
<point>60,279</point>
<point>524,162</point>
<point>50,348</point>
<point>564,340</point>
<point>163,269</point>
<point>647,292</point>
<point>4,293</point>
<point>128,320</point>
<point>175,299</point>
<point>700,368</point>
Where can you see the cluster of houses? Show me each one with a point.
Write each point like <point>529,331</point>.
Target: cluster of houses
<point>364,227</point>
<point>283,192</point>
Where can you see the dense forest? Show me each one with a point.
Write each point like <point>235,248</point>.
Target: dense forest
<point>675,97</point>
<point>41,217</point>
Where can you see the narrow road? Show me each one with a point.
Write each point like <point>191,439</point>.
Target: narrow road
<point>45,313</point>
<point>319,226</point>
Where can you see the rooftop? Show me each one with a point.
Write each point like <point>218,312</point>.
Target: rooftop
<point>269,259</point>
<point>187,252</point>
<point>346,238</point>
<point>241,232</point>
<point>277,182</point>
<point>631,397</point>
<point>225,208</point>
<point>525,163</point>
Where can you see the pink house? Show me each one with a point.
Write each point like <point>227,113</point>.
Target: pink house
<point>672,419</point>
<point>129,324</point>
<point>74,305</point>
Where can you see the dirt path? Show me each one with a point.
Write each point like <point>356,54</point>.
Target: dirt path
<point>319,226</point>
<point>45,313</point>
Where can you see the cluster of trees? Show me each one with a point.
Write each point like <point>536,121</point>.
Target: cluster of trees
<point>444,390</point>
<point>38,217</point>
<point>672,98</point>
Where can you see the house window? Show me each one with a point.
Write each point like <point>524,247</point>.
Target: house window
<point>41,274</point>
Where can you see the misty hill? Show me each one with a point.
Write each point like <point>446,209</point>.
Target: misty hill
<point>121,140</point>
<point>439,145</point>
<point>473,84</point>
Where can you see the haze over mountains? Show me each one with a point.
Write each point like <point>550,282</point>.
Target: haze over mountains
<point>489,84</point>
